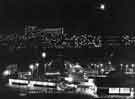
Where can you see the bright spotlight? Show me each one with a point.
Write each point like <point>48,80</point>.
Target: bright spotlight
<point>102,70</point>
<point>77,65</point>
<point>102,6</point>
<point>43,55</point>
<point>132,65</point>
<point>121,64</point>
<point>37,64</point>
<point>70,79</point>
<point>31,66</point>
<point>101,65</point>
<point>109,63</point>
<point>6,73</point>
<point>126,65</point>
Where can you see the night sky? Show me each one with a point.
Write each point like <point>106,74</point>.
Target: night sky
<point>73,15</point>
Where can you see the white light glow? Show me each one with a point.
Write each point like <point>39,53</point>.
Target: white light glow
<point>102,70</point>
<point>6,73</point>
<point>91,81</point>
<point>132,92</point>
<point>133,65</point>
<point>114,90</point>
<point>97,66</point>
<point>92,89</point>
<point>72,85</point>
<point>37,64</point>
<point>101,65</point>
<point>70,79</point>
<point>77,66</point>
<point>126,65</point>
<point>31,66</point>
<point>43,55</point>
<point>22,94</point>
<point>30,84</point>
<point>102,6</point>
<point>121,64</point>
<point>109,63</point>
<point>10,82</point>
<point>124,90</point>
<point>17,81</point>
<point>51,84</point>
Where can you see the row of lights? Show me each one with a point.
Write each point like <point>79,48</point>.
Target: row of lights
<point>109,63</point>
<point>32,66</point>
<point>133,65</point>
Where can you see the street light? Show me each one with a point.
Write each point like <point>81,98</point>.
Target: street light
<point>101,65</point>
<point>6,73</point>
<point>133,65</point>
<point>109,63</point>
<point>37,65</point>
<point>31,67</point>
<point>102,6</point>
<point>121,66</point>
<point>43,55</point>
<point>77,65</point>
<point>126,67</point>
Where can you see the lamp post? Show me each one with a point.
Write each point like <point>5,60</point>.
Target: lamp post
<point>133,65</point>
<point>31,67</point>
<point>43,55</point>
<point>121,65</point>
<point>97,69</point>
<point>132,93</point>
<point>37,65</point>
<point>126,67</point>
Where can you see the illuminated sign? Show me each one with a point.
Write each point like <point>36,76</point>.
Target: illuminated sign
<point>119,90</point>
<point>113,90</point>
<point>124,90</point>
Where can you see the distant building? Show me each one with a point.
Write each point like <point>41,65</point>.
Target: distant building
<point>35,31</point>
